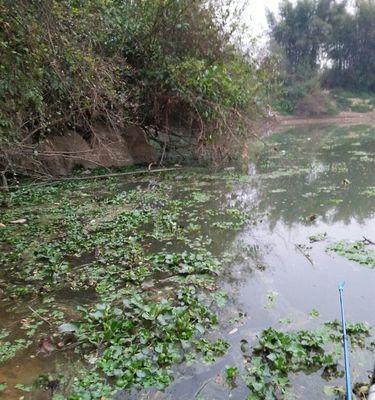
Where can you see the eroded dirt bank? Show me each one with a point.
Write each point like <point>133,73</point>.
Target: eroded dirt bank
<point>345,118</point>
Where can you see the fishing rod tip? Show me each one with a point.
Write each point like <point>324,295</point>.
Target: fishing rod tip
<point>341,285</point>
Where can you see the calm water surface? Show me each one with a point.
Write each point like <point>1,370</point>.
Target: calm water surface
<point>325,172</point>
<point>322,174</point>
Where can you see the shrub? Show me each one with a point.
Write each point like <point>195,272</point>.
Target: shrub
<point>167,64</point>
<point>316,103</point>
<point>361,107</point>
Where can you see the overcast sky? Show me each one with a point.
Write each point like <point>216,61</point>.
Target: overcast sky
<point>255,14</point>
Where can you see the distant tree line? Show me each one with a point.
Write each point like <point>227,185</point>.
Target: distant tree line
<point>350,46</point>
<point>326,36</point>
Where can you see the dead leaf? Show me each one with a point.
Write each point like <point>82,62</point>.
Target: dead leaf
<point>2,225</point>
<point>312,217</point>
<point>53,385</point>
<point>45,346</point>
<point>19,221</point>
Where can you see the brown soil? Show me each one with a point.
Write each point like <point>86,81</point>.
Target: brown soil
<point>344,118</point>
<point>58,155</point>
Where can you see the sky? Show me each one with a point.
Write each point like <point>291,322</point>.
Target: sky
<point>256,13</point>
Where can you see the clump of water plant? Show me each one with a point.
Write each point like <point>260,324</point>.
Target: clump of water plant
<point>231,374</point>
<point>8,348</point>
<point>139,339</point>
<point>361,251</point>
<point>319,237</point>
<point>277,354</point>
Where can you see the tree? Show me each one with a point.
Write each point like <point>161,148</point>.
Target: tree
<point>167,65</point>
<point>311,30</point>
<point>300,30</point>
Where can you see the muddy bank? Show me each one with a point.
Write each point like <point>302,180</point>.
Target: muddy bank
<point>101,147</point>
<point>345,118</point>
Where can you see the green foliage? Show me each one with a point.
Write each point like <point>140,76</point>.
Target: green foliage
<point>296,87</point>
<point>9,349</point>
<point>139,339</point>
<point>303,30</point>
<point>232,218</point>
<point>319,237</point>
<point>314,313</point>
<point>360,251</point>
<point>89,386</point>
<point>166,64</point>
<point>361,107</point>
<point>350,46</point>
<point>211,350</point>
<point>271,298</point>
<point>23,388</point>
<point>148,308</point>
<point>369,192</point>
<point>350,94</point>
<point>231,374</point>
<point>279,354</point>
<point>300,30</point>
<point>358,332</point>
<point>343,103</point>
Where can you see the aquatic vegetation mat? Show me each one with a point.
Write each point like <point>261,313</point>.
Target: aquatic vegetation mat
<point>360,251</point>
<point>117,286</point>
<point>8,349</point>
<point>145,307</point>
<point>278,354</point>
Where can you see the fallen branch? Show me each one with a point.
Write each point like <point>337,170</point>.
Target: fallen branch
<point>81,178</point>
<point>306,255</point>
<point>202,387</point>
<point>145,171</point>
<point>39,316</point>
<point>368,241</point>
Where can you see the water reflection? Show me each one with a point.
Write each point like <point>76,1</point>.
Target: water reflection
<point>326,176</point>
<point>326,173</point>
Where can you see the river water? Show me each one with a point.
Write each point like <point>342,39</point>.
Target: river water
<point>321,173</point>
<point>303,182</point>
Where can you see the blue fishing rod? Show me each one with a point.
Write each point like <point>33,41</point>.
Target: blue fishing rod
<point>345,344</point>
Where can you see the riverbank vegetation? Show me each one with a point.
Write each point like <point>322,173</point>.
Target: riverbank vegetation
<point>174,67</point>
<point>324,44</point>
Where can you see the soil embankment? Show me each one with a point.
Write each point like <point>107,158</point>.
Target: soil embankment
<point>344,118</point>
<point>105,147</point>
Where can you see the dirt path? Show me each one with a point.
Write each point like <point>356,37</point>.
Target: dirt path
<point>344,118</point>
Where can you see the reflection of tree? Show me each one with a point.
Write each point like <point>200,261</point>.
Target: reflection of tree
<point>333,188</point>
